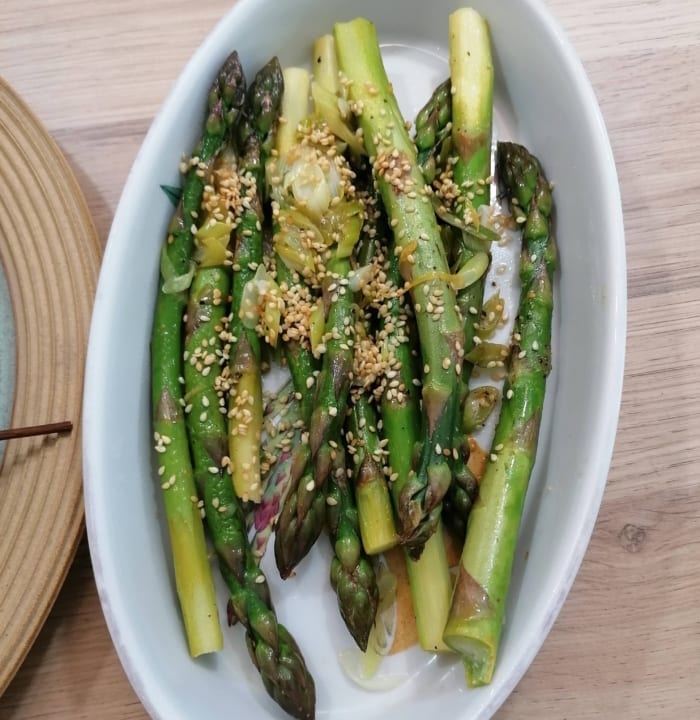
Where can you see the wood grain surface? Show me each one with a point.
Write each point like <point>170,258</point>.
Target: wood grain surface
<point>627,642</point>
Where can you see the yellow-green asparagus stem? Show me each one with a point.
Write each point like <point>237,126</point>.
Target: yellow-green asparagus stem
<point>424,266</point>
<point>375,513</point>
<point>478,605</point>
<point>193,577</point>
<point>254,139</point>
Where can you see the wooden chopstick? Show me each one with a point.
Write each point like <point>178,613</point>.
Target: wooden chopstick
<point>31,430</point>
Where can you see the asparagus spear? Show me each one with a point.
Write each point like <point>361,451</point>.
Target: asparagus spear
<point>471,76</point>
<point>272,650</point>
<point>463,106</point>
<point>375,513</point>
<point>429,575</point>
<point>301,520</point>
<point>424,267</point>
<point>352,574</point>
<point>303,512</point>
<point>193,577</point>
<point>478,605</point>
<point>255,135</point>
<point>333,215</point>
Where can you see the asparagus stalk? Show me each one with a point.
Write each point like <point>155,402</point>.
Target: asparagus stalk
<point>336,371</point>
<point>376,517</point>
<point>424,267</point>
<point>303,513</point>
<point>464,105</point>
<point>478,605</point>
<point>301,520</point>
<point>352,573</point>
<point>272,650</point>
<point>255,135</point>
<point>333,385</point>
<point>193,578</point>
<point>297,529</point>
<point>429,575</point>
<point>330,213</point>
<point>471,75</point>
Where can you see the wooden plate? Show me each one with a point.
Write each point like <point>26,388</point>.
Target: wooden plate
<point>50,254</point>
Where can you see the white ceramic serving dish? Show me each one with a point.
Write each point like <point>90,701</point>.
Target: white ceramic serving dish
<point>543,99</point>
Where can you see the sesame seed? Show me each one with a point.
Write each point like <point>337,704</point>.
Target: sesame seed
<point>438,448</point>
<point>310,486</point>
<point>260,579</point>
<point>493,457</point>
<point>331,501</point>
<point>535,345</point>
<point>446,362</point>
<point>213,470</point>
<point>509,394</point>
<point>522,354</point>
<point>332,411</point>
<point>499,447</point>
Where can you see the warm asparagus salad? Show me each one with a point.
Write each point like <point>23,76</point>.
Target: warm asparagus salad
<point>321,232</point>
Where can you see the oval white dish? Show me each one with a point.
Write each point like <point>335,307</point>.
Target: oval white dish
<point>543,99</point>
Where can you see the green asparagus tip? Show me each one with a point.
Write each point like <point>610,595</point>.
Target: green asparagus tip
<point>266,99</point>
<point>520,172</point>
<point>230,88</point>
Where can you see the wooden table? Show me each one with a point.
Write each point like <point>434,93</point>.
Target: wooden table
<point>627,643</point>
